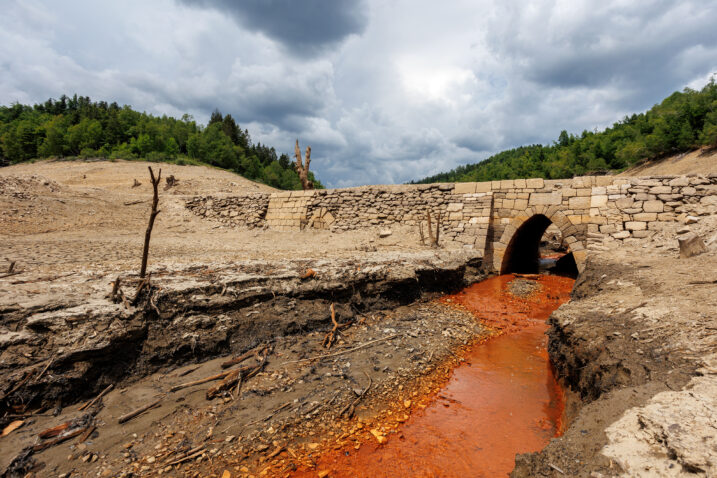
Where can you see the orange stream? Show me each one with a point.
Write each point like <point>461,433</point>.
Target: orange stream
<point>502,401</point>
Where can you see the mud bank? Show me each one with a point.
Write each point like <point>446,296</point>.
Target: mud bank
<point>635,350</point>
<point>57,354</point>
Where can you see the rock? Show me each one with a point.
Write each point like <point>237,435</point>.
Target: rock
<point>384,233</point>
<point>691,219</point>
<point>691,245</point>
<point>683,230</point>
<point>378,435</point>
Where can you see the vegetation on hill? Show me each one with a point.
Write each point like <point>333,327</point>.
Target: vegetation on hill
<point>682,122</point>
<point>78,127</point>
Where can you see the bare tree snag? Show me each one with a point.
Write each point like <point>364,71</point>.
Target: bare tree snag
<point>303,168</point>
<point>152,216</point>
<point>136,183</point>
<point>431,239</point>
<point>438,228</point>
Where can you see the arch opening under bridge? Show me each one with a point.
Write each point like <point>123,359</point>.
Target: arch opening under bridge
<point>518,250</point>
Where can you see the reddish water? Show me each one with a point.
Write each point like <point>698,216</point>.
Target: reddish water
<point>504,400</point>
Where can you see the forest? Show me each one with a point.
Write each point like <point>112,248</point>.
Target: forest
<point>76,127</point>
<point>682,122</point>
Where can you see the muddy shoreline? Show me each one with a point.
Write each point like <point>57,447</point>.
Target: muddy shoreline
<point>197,315</point>
<point>637,326</point>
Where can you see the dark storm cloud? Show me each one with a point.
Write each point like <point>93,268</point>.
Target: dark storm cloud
<point>304,27</point>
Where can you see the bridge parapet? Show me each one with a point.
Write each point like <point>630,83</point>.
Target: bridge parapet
<point>482,215</point>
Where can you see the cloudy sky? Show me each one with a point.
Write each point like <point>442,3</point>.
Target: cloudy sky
<point>383,90</point>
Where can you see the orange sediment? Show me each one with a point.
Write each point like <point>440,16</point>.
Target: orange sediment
<point>503,400</point>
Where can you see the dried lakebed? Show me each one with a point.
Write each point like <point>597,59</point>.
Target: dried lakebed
<point>58,353</point>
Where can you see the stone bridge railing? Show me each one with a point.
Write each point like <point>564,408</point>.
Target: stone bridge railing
<point>483,216</point>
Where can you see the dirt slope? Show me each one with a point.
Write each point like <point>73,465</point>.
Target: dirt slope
<point>697,162</point>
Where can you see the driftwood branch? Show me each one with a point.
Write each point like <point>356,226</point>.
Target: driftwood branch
<point>129,416</point>
<point>152,216</point>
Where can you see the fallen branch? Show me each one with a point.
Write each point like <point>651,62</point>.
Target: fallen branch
<point>239,359</point>
<point>132,203</point>
<point>351,407</point>
<point>22,382</point>
<point>336,354</point>
<point>129,416</point>
<point>218,376</point>
<point>54,431</point>
<point>237,375</point>
<point>90,430</point>
<point>98,397</point>
<point>188,457</point>
<point>330,338</point>
<point>59,439</point>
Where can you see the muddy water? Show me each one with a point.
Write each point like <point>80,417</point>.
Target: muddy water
<point>502,401</point>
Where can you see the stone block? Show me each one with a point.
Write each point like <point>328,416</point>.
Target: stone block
<point>645,216</point>
<point>604,180</point>
<point>464,188</point>
<point>653,206</point>
<point>483,187</point>
<point>579,202</point>
<point>575,219</point>
<point>507,184</point>
<point>598,191</point>
<point>624,203</point>
<point>520,204</point>
<point>583,192</point>
<point>545,199</point>
<point>535,183</point>
<point>621,234</point>
<point>599,200</point>
<point>454,206</point>
<point>660,190</point>
<point>691,245</point>
<point>635,225</point>
<point>679,181</point>
<point>582,182</point>
<point>519,183</point>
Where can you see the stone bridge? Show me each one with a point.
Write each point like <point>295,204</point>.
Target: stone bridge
<point>503,220</point>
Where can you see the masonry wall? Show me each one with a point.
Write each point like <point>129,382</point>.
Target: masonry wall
<point>236,211</point>
<point>476,215</point>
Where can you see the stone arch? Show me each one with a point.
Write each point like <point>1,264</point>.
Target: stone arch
<point>530,225</point>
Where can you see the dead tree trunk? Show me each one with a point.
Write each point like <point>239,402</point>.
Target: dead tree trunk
<point>303,168</point>
<point>152,216</point>
<point>432,238</point>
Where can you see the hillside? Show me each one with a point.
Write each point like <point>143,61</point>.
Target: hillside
<point>683,122</point>
<point>77,127</point>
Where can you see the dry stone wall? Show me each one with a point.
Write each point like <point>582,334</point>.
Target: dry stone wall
<point>485,215</point>
<point>235,211</point>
